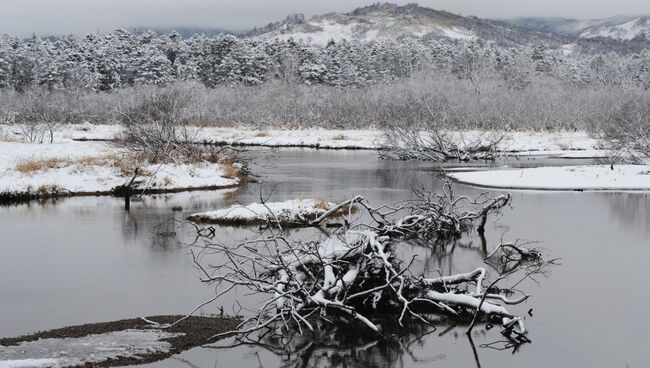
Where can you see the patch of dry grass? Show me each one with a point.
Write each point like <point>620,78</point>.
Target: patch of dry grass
<point>12,138</point>
<point>340,137</point>
<point>262,133</point>
<point>31,166</point>
<point>321,204</point>
<point>229,170</point>
<point>125,165</point>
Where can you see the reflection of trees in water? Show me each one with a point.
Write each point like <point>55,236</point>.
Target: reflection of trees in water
<point>345,346</point>
<point>157,218</point>
<point>631,209</point>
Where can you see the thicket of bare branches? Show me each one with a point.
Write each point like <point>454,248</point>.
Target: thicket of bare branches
<point>355,274</point>
<point>545,106</point>
<point>161,125</point>
<point>626,132</point>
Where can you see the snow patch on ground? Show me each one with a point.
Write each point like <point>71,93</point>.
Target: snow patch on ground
<point>291,211</point>
<point>555,142</point>
<point>321,138</point>
<point>97,348</point>
<point>586,177</point>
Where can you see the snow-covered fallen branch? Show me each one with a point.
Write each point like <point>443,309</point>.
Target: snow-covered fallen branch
<point>354,274</point>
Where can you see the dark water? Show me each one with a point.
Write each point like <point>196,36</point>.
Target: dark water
<point>82,260</point>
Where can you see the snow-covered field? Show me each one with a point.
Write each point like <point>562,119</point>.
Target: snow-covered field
<point>68,352</point>
<point>291,211</point>
<point>587,177</point>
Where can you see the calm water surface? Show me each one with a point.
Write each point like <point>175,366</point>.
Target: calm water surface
<point>83,260</point>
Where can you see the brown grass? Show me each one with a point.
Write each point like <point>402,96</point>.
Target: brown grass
<point>126,165</point>
<point>229,171</point>
<point>322,204</point>
<point>30,166</point>
<point>262,133</point>
<point>9,138</point>
<point>340,137</point>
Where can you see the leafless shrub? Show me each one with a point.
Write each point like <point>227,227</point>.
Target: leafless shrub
<point>157,125</point>
<point>543,105</point>
<point>626,132</point>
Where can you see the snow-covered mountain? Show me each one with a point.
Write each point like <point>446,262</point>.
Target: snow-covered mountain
<point>631,29</point>
<point>618,28</point>
<point>375,22</point>
<point>390,21</point>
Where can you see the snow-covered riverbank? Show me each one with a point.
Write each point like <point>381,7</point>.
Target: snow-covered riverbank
<point>586,177</point>
<point>566,144</point>
<point>67,167</point>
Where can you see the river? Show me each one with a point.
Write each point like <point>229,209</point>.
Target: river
<point>82,260</point>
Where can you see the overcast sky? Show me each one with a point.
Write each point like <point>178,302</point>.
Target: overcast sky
<point>47,17</point>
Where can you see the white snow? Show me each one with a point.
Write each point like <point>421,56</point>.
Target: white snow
<point>97,348</point>
<point>322,138</point>
<point>288,211</point>
<point>457,33</point>
<point>568,49</point>
<point>585,177</point>
<point>68,132</point>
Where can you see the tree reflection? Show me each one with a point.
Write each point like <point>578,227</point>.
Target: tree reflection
<point>337,345</point>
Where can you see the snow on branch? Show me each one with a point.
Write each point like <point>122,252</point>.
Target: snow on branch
<point>354,274</point>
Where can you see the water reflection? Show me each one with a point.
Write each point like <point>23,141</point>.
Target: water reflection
<point>81,260</point>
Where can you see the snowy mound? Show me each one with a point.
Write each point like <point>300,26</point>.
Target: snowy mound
<point>68,352</point>
<point>594,177</point>
<point>287,213</point>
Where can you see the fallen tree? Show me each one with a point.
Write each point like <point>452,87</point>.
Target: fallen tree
<point>355,273</point>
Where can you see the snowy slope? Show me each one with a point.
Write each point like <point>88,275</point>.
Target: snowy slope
<point>619,28</point>
<point>632,29</point>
